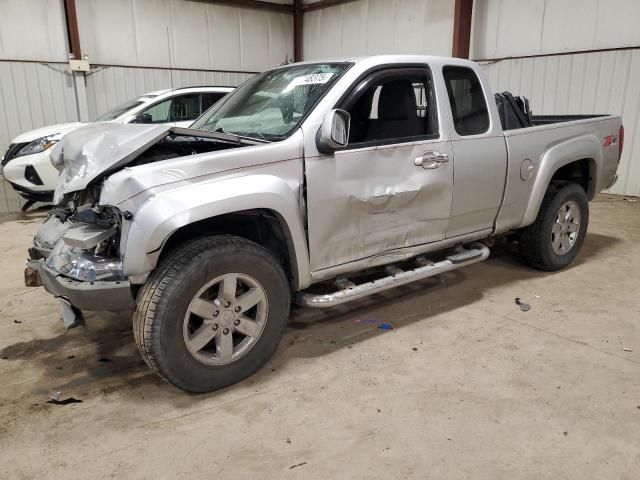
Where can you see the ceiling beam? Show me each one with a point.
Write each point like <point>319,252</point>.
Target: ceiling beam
<point>263,5</point>
<point>463,12</point>
<point>73,34</point>
<point>310,7</point>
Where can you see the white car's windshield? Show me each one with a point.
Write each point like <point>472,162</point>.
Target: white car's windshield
<point>272,104</point>
<point>119,110</point>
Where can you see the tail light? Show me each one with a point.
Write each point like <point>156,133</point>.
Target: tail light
<point>620,141</point>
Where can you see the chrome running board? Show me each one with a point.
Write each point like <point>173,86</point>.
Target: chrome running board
<point>348,291</point>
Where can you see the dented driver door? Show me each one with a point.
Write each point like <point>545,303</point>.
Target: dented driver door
<point>392,187</point>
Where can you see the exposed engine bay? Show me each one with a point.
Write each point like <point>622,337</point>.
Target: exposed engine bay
<point>173,146</point>
<point>90,154</point>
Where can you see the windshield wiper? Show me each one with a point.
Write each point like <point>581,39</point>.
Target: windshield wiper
<point>240,137</point>
<point>216,135</point>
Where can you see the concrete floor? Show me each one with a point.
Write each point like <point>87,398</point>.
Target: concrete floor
<point>468,386</point>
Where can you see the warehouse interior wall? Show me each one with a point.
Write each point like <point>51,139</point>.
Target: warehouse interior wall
<point>133,47</point>
<point>138,46</point>
<point>527,49</point>
<point>590,64</point>
<point>374,27</point>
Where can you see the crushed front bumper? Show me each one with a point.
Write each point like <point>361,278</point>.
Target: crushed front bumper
<point>96,295</point>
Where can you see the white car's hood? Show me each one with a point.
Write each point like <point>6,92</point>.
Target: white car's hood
<point>60,128</point>
<point>97,148</point>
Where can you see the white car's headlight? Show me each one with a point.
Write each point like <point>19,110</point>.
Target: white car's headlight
<point>38,145</point>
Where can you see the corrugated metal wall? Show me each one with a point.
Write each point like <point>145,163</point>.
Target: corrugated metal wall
<point>108,87</point>
<point>32,95</point>
<point>198,34</point>
<point>581,83</point>
<point>33,30</point>
<point>370,27</point>
<point>599,82</point>
<point>36,91</point>
<point>503,28</point>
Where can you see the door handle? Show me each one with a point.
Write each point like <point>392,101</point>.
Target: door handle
<point>431,159</point>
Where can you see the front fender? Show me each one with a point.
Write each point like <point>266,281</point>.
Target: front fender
<point>168,211</point>
<point>557,156</point>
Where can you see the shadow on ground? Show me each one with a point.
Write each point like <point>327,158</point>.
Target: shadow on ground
<point>100,357</point>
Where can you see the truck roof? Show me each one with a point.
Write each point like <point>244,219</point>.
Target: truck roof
<point>373,60</point>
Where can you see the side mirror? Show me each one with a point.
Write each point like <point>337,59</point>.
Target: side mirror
<point>334,132</point>
<point>143,118</point>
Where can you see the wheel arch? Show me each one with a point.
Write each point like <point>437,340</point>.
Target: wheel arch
<point>262,226</point>
<point>261,208</point>
<point>576,160</point>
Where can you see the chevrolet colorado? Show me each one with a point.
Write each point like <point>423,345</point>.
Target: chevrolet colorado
<point>317,182</point>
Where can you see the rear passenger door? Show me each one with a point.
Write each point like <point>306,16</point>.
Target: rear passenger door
<point>391,187</point>
<point>178,111</point>
<point>184,109</point>
<point>479,153</point>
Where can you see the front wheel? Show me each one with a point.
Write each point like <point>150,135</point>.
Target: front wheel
<point>212,313</point>
<point>554,240</point>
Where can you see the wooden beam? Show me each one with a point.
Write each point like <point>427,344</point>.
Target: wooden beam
<point>297,30</point>
<point>310,7</point>
<point>462,28</point>
<point>273,7</point>
<point>73,34</point>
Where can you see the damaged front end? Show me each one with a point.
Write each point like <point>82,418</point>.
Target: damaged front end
<point>76,257</point>
<point>76,254</point>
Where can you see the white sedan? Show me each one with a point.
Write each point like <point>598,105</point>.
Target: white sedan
<point>26,164</point>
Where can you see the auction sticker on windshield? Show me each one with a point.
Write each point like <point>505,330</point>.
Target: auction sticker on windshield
<point>311,79</point>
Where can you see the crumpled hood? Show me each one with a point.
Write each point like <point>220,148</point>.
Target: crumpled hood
<point>88,152</point>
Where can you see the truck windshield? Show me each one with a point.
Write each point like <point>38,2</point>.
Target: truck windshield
<point>272,104</point>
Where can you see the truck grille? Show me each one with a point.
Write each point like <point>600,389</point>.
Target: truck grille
<point>11,152</point>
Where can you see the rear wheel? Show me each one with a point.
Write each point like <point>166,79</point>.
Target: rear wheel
<point>554,240</point>
<point>212,313</point>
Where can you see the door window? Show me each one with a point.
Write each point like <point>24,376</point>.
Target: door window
<point>177,109</point>
<point>468,105</point>
<point>185,108</point>
<point>392,106</point>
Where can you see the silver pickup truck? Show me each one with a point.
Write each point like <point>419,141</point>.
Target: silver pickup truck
<point>318,183</point>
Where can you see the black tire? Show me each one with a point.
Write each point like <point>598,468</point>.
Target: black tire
<point>164,301</point>
<point>536,240</point>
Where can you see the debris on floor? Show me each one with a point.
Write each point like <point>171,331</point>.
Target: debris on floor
<point>70,317</point>
<point>56,399</point>
<point>381,325</point>
<point>627,350</point>
<point>297,465</point>
<point>104,360</point>
<point>26,291</point>
<point>17,321</point>
<point>525,307</point>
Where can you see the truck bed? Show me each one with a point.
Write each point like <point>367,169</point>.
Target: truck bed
<point>549,119</point>
<point>564,135</point>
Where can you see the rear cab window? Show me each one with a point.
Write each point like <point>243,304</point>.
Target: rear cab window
<point>468,104</point>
